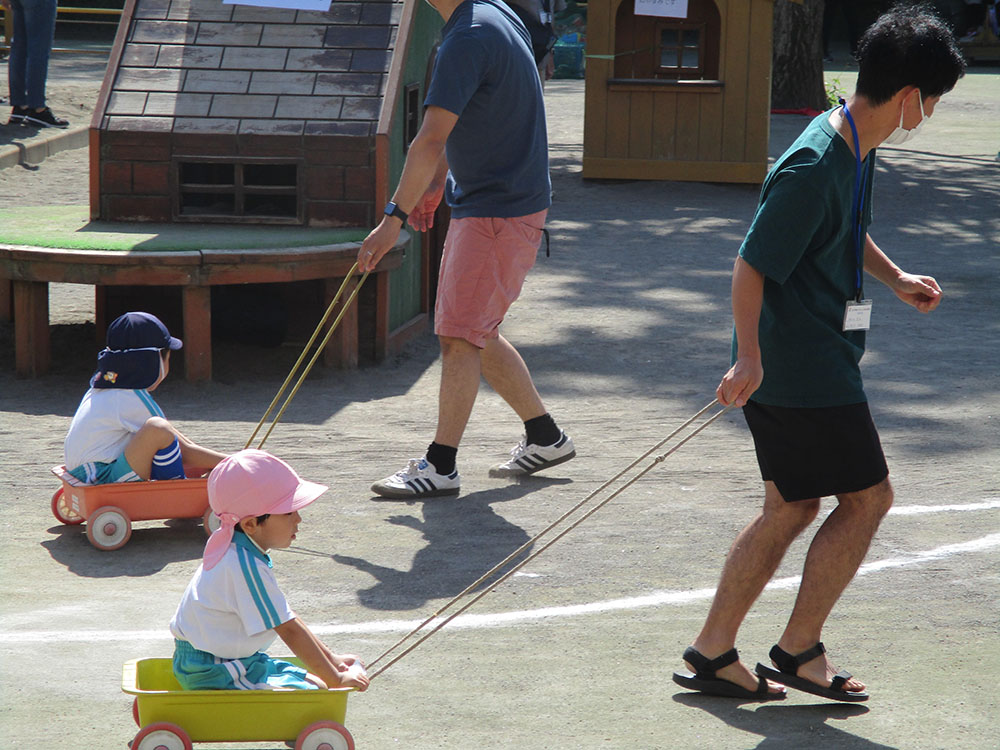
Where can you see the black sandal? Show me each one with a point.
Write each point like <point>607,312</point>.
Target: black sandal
<point>787,674</point>
<point>705,681</point>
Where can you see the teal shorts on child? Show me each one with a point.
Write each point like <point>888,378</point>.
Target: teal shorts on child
<point>200,670</point>
<point>98,472</point>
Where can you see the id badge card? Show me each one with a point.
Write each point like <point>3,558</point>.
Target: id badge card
<point>858,315</point>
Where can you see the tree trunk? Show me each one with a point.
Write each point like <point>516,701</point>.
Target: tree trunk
<point>797,57</point>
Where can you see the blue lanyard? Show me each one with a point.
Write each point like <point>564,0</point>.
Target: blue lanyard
<point>859,195</point>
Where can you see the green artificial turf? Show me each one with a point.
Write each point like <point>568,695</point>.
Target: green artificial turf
<point>70,227</point>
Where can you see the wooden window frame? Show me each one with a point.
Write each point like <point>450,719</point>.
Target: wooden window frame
<point>677,72</point>
<point>238,189</point>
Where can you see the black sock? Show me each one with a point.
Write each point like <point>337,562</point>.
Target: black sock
<point>541,430</point>
<point>442,457</point>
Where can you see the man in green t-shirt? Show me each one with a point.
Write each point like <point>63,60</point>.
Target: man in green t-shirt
<point>800,320</point>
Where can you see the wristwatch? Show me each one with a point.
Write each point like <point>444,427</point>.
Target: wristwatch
<point>391,209</point>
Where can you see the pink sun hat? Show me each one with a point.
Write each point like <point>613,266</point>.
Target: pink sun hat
<point>251,483</point>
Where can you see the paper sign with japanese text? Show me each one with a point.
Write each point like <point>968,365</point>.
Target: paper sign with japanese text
<point>321,5</point>
<point>663,8</point>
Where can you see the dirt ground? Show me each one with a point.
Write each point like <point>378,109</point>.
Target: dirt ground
<point>626,328</point>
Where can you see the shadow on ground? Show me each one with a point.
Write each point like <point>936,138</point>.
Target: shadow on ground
<point>783,727</point>
<point>465,537</point>
<point>148,551</point>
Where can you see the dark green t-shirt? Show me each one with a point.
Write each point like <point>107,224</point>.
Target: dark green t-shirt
<point>800,240</point>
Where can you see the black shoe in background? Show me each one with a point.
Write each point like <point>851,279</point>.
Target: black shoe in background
<point>44,119</point>
<point>17,115</point>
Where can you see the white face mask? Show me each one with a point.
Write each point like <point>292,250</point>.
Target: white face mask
<point>901,134</point>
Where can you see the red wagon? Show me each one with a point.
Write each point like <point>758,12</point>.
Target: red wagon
<point>110,509</point>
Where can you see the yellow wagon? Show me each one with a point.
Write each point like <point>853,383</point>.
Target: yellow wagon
<point>170,718</point>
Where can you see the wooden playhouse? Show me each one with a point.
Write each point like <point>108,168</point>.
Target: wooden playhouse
<point>225,115</point>
<point>678,98</point>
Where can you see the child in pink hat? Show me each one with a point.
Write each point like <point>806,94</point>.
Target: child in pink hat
<point>232,610</point>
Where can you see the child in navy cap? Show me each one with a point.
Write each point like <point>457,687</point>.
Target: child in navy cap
<point>119,433</point>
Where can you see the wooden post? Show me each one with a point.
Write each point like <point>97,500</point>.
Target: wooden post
<point>32,351</point>
<point>6,301</point>
<point>197,311</point>
<point>381,315</point>
<point>101,321</point>
<point>342,348</point>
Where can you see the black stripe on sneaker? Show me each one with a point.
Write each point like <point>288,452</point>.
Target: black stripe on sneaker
<point>525,463</point>
<point>559,443</point>
<point>416,486</point>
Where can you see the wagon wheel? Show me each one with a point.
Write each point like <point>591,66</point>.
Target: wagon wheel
<point>161,735</point>
<point>108,528</point>
<point>62,509</point>
<point>324,735</point>
<point>210,521</point>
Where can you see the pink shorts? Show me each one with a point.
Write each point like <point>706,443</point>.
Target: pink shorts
<point>483,267</point>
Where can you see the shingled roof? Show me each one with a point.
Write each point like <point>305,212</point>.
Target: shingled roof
<point>198,66</point>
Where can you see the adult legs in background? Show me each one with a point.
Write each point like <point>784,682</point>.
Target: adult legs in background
<point>17,60</point>
<point>34,26</point>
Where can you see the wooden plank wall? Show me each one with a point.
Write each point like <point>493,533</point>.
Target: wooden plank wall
<point>665,132</point>
<point>735,47</point>
<point>600,41</point>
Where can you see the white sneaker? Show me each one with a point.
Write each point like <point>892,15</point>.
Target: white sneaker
<point>418,479</point>
<point>527,459</point>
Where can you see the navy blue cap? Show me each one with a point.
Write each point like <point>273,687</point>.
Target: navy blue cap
<point>132,358</point>
<point>139,330</point>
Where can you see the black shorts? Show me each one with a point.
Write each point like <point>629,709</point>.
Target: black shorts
<point>810,453</point>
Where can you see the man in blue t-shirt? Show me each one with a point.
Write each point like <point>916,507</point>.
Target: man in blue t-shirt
<point>483,146</point>
<point>800,320</point>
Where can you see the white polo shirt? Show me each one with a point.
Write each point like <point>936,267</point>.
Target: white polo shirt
<point>104,422</point>
<point>231,610</point>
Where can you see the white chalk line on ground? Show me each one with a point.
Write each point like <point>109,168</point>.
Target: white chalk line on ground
<point>664,598</point>
<point>912,510</point>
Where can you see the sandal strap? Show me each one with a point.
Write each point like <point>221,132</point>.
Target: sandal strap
<point>705,667</point>
<point>839,680</point>
<point>788,663</point>
<point>762,686</point>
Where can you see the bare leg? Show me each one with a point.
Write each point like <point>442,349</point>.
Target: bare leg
<point>155,435</point>
<point>460,373</point>
<point>508,375</point>
<point>195,456</point>
<point>834,557</point>
<point>752,560</point>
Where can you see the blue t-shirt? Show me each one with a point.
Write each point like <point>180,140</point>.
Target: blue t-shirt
<point>498,150</point>
<point>800,240</point>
